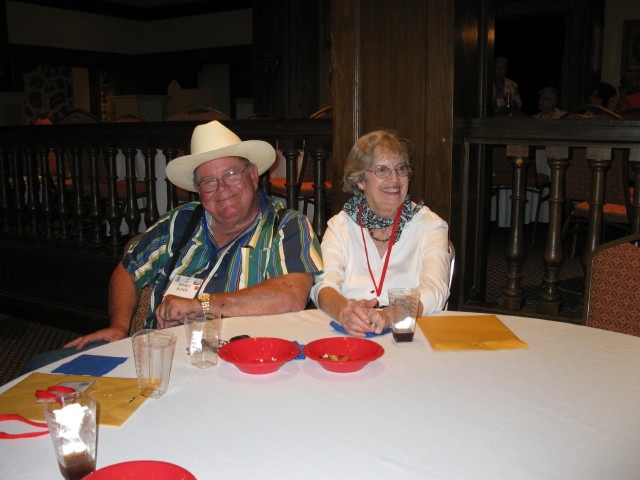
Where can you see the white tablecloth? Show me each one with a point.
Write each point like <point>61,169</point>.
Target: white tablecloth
<point>566,408</point>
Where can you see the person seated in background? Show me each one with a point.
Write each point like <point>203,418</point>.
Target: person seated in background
<point>629,104</point>
<point>604,95</point>
<point>548,99</point>
<point>381,240</point>
<point>506,99</point>
<point>242,254</point>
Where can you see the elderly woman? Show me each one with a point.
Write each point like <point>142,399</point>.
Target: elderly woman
<point>380,240</point>
<point>548,99</point>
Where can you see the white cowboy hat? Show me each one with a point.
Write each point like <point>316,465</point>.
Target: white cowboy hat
<point>211,141</point>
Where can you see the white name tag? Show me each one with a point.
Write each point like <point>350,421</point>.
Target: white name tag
<point>185,287</point>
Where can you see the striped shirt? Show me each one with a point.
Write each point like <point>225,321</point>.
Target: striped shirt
<point>277,243</point>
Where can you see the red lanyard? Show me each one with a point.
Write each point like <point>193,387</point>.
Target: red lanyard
<point>392,238</point>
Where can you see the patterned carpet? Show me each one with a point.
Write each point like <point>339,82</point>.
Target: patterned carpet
<point>21,340</point>
<point>571,285</point>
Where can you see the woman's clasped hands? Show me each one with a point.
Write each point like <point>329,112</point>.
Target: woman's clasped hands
<point>359,317</point>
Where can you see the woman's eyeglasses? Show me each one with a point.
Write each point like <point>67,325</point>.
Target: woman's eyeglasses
<point>230,179</point>
<point>382,171</point>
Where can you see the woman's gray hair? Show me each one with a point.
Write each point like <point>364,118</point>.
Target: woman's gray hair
<point>361,155</point>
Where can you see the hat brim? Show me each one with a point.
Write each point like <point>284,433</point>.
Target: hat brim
<point>260,153</point>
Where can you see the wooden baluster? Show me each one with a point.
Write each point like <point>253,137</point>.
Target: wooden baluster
<point>46,185</point>
<point>513,298</point>
<point>33,191</point>
<point>78,193</point>
<point>600,160</point>
<point>131,211</point>
<point>63,207</point>
<point>95,206</point>
<point>112,214</point>
<point>172,196</point>
<point>319,155</point>
<point>550,301</point>
<point>151,214</point>
<point>290,155</point>
<point>17,180</point>
<point>634,161</point>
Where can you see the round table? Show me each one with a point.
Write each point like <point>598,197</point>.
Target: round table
<point>567,407</point>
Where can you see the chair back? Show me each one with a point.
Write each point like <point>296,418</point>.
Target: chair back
<point>612,291</point>
<point>140,314</point>
<point>452,257</point>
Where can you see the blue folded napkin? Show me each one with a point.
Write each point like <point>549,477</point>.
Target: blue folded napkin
<point>340,328</point>
<point>301,356</point>
<point>93,365</point>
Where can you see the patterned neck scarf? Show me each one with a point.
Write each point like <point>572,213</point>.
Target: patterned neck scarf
<point>371,220</point>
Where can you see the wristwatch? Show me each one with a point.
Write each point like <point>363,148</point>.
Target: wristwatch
<point>205,302</point>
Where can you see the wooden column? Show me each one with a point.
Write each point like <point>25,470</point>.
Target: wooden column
<point>513,296</point>
<point>319,156</point>
<point>151,214</point>
<point>599,160</point>
<point>550,302</point>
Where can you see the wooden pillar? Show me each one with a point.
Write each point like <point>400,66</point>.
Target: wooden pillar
<point>513,296</point>
<point>151,214</point>
<point>550,302</point>
<point>599,160</point>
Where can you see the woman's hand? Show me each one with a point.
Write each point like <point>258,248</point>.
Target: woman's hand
<point>172,309</point>
<point>358,317</point>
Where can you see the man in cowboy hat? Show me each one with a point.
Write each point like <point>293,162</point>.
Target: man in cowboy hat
<point>242,254</point>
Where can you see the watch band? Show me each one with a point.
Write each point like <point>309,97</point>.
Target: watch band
<point>205,302</point>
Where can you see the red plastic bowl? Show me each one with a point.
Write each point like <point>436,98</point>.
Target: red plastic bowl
<point>141,470</point>
<point>259,355</point>
<point>353,353</point>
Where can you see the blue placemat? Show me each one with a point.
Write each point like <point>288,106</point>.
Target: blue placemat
<point>93,365</point>
<point>336,326</point>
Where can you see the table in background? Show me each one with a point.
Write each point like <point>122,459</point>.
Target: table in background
<point>568,407</point>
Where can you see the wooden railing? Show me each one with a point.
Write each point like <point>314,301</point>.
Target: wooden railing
<point>70,198</point>
<point>559,138</point>
<point>61,182</point>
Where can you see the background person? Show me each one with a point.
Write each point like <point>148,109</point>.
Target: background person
<point>506,98</point>
<point>548,98</point>
<point>381,240</point>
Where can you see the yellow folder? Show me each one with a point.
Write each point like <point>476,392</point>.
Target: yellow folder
<point>469,332</point>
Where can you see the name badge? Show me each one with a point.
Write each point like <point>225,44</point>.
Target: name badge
<point>185,287</point>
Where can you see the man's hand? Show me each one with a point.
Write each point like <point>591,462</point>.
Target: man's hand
<point>172,309</point>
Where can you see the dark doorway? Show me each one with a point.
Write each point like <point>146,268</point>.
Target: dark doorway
<point>534,47</point>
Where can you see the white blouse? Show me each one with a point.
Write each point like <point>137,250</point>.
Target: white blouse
<point>419,260</point>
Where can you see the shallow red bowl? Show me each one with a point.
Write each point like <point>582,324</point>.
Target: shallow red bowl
<point>141,470</point>
<point>359,351</point>
<point>259,355</point>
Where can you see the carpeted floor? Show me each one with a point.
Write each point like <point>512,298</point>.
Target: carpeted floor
<point>21,340</point>
<point>571,285</point>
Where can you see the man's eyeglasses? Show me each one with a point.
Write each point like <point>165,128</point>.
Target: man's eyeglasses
<point>382,171</point>
<point>230,179</point>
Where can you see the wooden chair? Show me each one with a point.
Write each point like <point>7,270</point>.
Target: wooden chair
<point>142,310</point>
<point>502,179</point>
<point>452,256</point>
<point>612,291</point>
<point>616,209</point>
<point>197,112</point>
<point>304,182</point>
